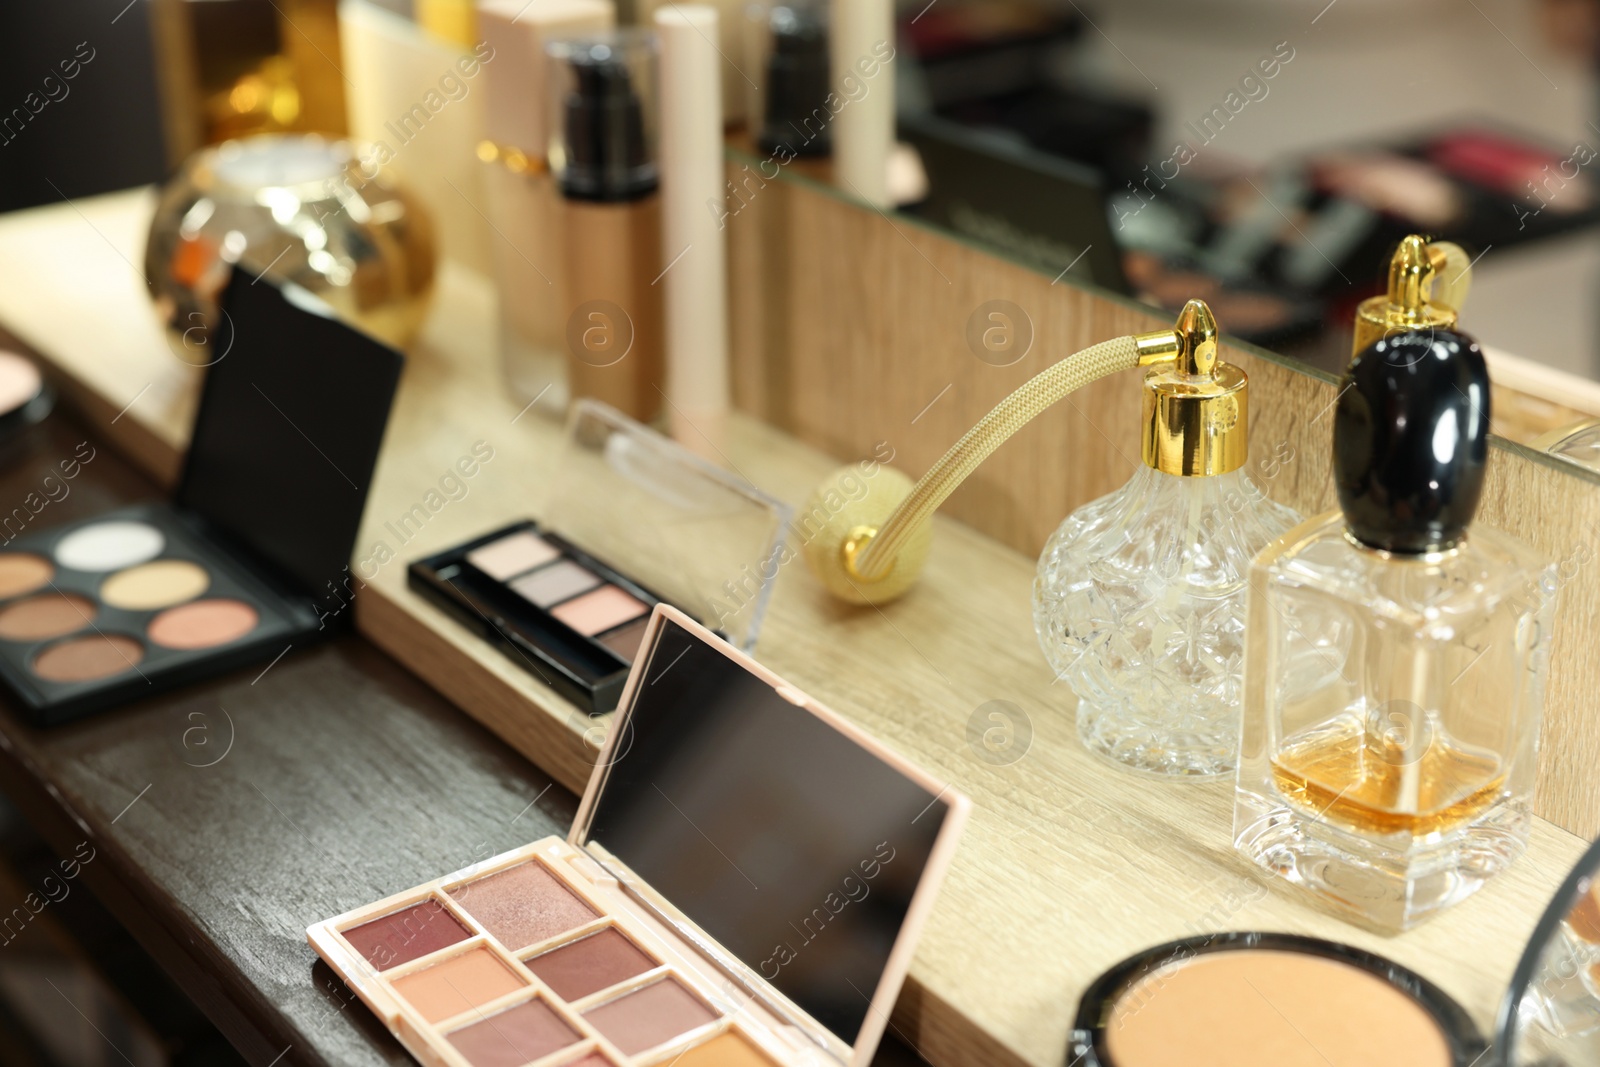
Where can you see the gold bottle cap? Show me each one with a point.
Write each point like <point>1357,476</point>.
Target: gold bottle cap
<point>1196,408</point>
<point>1413,301</point>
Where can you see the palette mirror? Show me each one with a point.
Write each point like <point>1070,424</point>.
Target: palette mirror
<point>1268,158</point>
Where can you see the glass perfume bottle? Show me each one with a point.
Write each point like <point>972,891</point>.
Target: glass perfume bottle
<point>1396,661</point>
<point>1139,597</point>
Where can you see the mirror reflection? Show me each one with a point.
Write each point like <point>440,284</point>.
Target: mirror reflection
<point>1558,1021</point>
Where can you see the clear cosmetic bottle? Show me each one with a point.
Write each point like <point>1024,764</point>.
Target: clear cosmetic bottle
<point>1139,597</point>
<point>1396,661</point>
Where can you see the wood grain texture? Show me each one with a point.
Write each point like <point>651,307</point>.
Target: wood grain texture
<point>1070,865</point>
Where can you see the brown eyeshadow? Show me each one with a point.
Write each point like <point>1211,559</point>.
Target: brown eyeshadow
<point>407,935</point>
<point>46,615</point>
<point>458,984</point>
<point>515,1036</point>
<point>88,658</point>
<point>591,964</point>
<point>731,1049</point>
<point>650,1016</point>
<point>626,641</point>
<point>523,905</point>
<point>1261,1008</point>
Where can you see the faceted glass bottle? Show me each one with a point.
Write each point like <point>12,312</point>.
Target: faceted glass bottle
<point>1138,601</point>
<point>1396,660</point>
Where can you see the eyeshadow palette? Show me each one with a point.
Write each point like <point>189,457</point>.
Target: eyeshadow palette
<point>574,621</point>
<point>249,558</point>
<point>628,519</point>
<point>708,909</point>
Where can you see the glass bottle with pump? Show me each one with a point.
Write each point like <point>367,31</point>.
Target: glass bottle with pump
<point>1138,601</point>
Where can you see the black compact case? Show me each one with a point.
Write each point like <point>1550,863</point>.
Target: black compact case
<point>578,667</point>
<point>287,434</point>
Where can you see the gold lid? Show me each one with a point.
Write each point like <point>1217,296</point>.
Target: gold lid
<point>1196,408</point>
<point>1427,283</point>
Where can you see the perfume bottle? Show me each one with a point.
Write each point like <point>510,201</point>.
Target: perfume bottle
<point>1428,284</point>
<point>1139,597</point>
<point>1394,677</point>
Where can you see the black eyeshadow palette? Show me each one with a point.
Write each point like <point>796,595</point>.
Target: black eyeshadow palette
<point>572,620</point>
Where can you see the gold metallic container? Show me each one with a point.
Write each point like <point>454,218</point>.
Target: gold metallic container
<point>297,208</point>
<point>1196,408</point>
<point>1428,283</point>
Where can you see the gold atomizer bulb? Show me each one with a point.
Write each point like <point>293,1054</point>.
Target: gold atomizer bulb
<point>1196,407</point>
<point>1428,283</point>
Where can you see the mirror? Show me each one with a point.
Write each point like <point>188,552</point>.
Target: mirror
<point>1269,157</point>
<point>1551,1017</point>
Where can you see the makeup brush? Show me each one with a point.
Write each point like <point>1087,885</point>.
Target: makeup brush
<point>871,550</point>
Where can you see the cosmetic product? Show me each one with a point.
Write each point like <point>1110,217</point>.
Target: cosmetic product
<point>1395,670</point>
<point>416,110</point>
<point>694,241</point>
<point>250,558</point>
<point>523,198</point>
<point>279,202</point>
<point>603,153</point>
<point>732,67</point>
<point>453,21</point>
<point>1511,167</point>
<point>1139,599</point>
<point>869,546</point>
<point>863,50</point>
<point>1281,1000</point>
<point>25,397</point>
<point>789,109</point>
<point>1428,284</point>
<point>744,884</point>
<point>628,520</point>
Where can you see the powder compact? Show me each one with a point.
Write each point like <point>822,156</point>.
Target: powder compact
<point>249,558</point>
<point>1279,1000</point>
<point>630,520</point>
<point>743,886</point>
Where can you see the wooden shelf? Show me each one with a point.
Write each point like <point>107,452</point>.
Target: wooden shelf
<point>1069,865</point>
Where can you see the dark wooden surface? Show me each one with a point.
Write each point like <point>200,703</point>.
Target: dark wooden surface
<point>334,778</point>
<point>228,816</point>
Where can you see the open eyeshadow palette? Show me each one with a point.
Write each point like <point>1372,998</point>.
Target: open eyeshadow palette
<point>554,595</point>
<point>743,887</point>
<point>248,560</point>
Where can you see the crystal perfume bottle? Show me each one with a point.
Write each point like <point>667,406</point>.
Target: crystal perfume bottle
<point>1396,660</point>
<point>1139,597</point>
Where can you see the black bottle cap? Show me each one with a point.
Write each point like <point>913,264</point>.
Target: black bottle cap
<point>1411,440</point>
<point>608,157</point>
<point>797,117</point>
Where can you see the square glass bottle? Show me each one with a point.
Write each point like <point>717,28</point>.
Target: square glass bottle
<point>1395,661</point>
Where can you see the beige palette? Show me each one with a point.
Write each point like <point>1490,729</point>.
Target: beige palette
<point>538,957</point>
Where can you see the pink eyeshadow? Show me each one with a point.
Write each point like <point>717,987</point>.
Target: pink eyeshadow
<point>600,610</point>
<point>406,935</point>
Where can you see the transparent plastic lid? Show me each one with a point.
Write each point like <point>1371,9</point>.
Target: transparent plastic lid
<point>603,115</point>
<point>1551,1015</point>
<point>706,540</point>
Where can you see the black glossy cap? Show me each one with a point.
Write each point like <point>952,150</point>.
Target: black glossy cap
<point>797,115</point>
<point>608,156</point>
<point>1411,440</point>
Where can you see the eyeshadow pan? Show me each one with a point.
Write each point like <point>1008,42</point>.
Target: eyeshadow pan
<point>160,584</point>
<point>107,546</point>
<point>510,556</point>
<point>515,1036</point>
<point>88,658</point>
<point>458,984</point>
<point>555,583</point>
<point>203,624</point>
<point>46,615</point>
<point>600,610</point>
<point>626,641</point>
<point>591,964</point>
<point>1270,1009</point>
<point>523,905</point>
<point>406,935</point>
<point>731,1049</point>
<point>23,572</point>
<point>650,1016</point>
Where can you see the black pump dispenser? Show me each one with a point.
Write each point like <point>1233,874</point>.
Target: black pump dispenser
<point>608,153</point>
<point>1411,440</point>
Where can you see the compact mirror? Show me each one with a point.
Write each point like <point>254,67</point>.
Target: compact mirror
<point>1551,1015</point>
